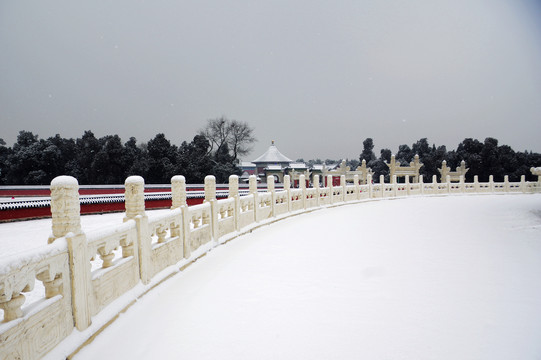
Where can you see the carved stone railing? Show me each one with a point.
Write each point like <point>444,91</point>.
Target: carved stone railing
<point>45,294</point>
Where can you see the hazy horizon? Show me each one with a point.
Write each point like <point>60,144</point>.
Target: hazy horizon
<point>316,77</point>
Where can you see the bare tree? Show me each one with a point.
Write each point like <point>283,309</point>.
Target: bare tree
<point>241,138</point>
<point>238,136</point>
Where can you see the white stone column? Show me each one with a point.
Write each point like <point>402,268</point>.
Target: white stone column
<point>271,190</point>
<point>476,183</point>
<point>287,188</point>
<point>421,184</point>
<point>210,196</point>
<point>135,209</point>
<point>210,188</point>
<point>491,183</point>
<point>65,207</point>
<point>233,186</point>
<point>369,183</point>
<point>253,184</point>
<point>331,188</point>
<point>357,187</point>
<point>506,183</point>
<point>234,193</point>
<point>302,185</point>
<point>407,183</point>
<point>66,223</point>
<point>316,186</point>
<point>382,183</point>
<point>178,191</point>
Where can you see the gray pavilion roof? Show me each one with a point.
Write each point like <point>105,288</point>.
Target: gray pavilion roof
<point>273,156</point>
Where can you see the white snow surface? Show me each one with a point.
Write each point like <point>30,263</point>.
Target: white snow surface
<point>418,278</point>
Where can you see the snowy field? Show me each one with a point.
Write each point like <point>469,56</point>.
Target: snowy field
<point>419,278</point>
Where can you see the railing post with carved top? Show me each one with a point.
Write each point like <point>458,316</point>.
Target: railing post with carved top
<point>302,185</point>
<point>330,186</point>
<point>287,188</point>
<point>234,193</point>
<point>316,186</point>
<point>491,183</point>
<point>369,182</point>
<point>252,185</point>
<point>407,183</point>
<point>382,183</point>
<point>421,184</point>
<point>270,188</point>
<point>66,219</point>
<point>210,197</point>
<point>134,193</point>
<point>179,200</point>
<point>357,187</point>
<point>448,181</point>
<point>178,191</point>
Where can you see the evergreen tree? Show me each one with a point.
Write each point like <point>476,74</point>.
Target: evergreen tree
<point>368,151</point>
<point>162,160</point>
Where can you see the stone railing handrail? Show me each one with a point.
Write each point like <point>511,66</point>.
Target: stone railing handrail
<point>109,198</point>
<point>85,272</point>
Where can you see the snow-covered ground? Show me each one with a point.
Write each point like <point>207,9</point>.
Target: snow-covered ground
<point>419,278</point>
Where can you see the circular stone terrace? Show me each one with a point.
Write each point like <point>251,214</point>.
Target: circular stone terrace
<point>416,278</point>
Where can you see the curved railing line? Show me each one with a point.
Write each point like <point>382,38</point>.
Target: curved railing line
<point>82,274</point>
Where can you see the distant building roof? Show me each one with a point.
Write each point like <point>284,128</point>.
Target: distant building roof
<point>297,165</point>
<point>272,156</point>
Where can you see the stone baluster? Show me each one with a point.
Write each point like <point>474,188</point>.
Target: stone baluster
<point>178,191</point>
<point>407,184</point>
<point>421,184</point>
<point>316,186</point>
<point>491,183</point>
<point>287,188</point>
<point>382,183</point>
<point>210,196</point>
<point>65,207</point>
<point>12,308</point>
<point>395,185</point>
<point>357,187</point>
<point>66,222</point>
<point>476,183</point>
<point>506,183</point>
<point>233,186</point>
<point>302,186</point>
<point>369,183</point>
<point>210,188</point>
<point>462,184</point>
<point>343,186</point>
<point>134,192</point>
<point>331,188</point>
<point>252,184</point>
<point>179,200</point>
<point>271,190</point>
<point>523,183</point>
<point>448,181</point>
<point>53,283</point>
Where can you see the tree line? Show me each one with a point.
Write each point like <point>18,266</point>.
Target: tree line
<point>482,158</point>
<point>107,160</point>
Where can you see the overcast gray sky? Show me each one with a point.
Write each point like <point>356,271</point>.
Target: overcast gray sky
<point>316,76</point>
